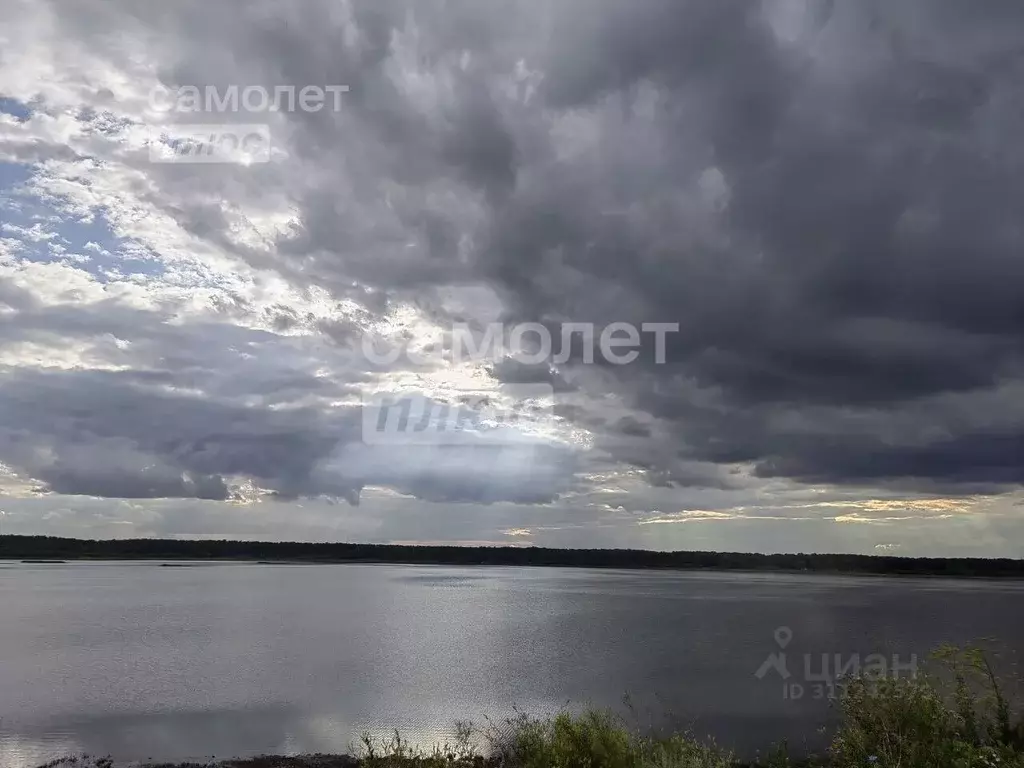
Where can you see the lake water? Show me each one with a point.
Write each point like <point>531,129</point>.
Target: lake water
<point>141,661</point>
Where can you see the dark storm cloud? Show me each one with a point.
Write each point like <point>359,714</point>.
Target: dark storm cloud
<point>829,210</point>
<point>627,425</point>
<point>512,371</point>
<point>868,255</point>
<point>825,196</point>
<point>101,433</point>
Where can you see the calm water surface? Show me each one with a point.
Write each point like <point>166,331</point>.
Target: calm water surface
<point>140,661</point>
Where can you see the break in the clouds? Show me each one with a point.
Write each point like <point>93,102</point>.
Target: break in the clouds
<point>826,197</point>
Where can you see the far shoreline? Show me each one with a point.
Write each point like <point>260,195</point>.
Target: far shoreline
<point>682,570</point>
<point>179,552</point>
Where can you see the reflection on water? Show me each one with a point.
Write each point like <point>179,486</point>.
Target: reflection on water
<point>170,734</point>
<point>141,662</point>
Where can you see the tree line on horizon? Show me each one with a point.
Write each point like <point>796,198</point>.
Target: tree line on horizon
<point>56,548</point>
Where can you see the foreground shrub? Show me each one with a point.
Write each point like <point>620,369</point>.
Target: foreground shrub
<point>596,739</point>
<point>957,718</point>
<point>681,752</point>
<point>591,740</point>
<point>396,752</point>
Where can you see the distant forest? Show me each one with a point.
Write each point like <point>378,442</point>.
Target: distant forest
<point>52,548</point>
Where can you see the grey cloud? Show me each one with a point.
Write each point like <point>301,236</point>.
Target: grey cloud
<point>104,434</point>
<point>194,405</point>
<point>628,425</point>
<point>828,207</point>
<point>509,370</point>
<point>865,257</point>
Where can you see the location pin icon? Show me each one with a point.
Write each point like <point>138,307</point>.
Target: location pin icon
<point>783,635</point>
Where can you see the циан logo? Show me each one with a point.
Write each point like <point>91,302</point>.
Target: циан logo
<point>826,681</point>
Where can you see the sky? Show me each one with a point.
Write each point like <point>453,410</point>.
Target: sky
<point>822,199</point>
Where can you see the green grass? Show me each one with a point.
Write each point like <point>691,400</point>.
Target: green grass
<point>955,716</point>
